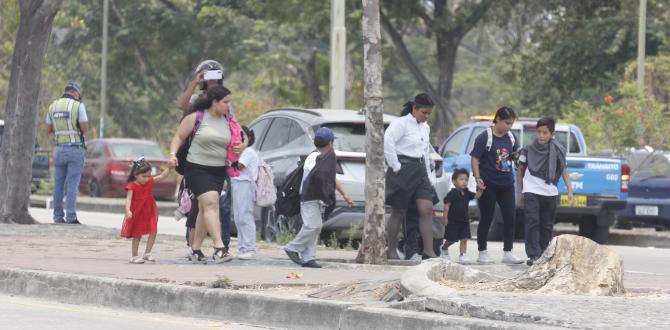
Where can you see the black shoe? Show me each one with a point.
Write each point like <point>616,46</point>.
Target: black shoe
<point>198,257</point>
<point>221,255</point>
<point>531,261</point>
<point>425,256</point>
<point>59,221</point>
<point>294,256</point>
<point>73,222</point>
<point>312,264</point>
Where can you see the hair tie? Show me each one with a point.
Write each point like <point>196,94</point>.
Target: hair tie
<point>139,160</point>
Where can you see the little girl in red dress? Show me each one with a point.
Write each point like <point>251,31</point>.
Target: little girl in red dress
<point>141,210</point>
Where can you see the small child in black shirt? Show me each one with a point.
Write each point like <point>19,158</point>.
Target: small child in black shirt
<point>455,215</point>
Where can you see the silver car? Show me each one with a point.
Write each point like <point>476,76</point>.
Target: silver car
<point>284,136</point>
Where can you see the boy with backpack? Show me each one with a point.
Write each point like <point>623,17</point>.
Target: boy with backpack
<point>243,188</point>
<point>317,193</point>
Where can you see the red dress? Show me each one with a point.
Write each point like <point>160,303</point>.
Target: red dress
<point>144,209</point>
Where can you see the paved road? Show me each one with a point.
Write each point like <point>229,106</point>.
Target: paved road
<point>644,267</point>
<point>28,314</point>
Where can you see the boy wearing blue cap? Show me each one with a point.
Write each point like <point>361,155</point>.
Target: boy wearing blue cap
<point>317,193</point>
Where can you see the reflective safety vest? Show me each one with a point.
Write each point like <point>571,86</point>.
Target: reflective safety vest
<point>64,115</point>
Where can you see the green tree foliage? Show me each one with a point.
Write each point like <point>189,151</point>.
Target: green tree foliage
<point>628,119</point>
<point>577,50</point>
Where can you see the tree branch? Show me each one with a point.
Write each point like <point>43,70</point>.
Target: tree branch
<point>141,57</point>
<point>405,56</point>
<point>469,22</point>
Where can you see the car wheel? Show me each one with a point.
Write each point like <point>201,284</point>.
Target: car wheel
<point>95,189</point>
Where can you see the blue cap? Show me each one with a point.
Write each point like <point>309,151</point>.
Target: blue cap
<point>324,135</point>
<point>74,86</point>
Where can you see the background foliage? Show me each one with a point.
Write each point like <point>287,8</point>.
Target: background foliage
<point>552,57</point>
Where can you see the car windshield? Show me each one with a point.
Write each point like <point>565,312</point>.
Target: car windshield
<point>349,136</point>
<point>529,136</point>
<point>135,150</point>
<point>646,166</point>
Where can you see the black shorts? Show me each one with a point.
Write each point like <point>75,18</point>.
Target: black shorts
<point>457,230</point>
<point>410,184</point>
<point>201,179</point>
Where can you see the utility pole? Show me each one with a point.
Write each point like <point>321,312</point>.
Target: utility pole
<point>103,69</point>
<point>641,45</point>
<point>373,248</point>
<point>338,44</point>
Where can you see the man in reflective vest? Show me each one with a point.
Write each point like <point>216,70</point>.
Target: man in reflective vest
<point>68,122</point>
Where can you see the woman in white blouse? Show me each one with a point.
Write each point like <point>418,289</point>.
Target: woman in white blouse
<point>407,152</point>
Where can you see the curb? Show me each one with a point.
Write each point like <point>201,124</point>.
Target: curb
<point>106,205</point>
<point>228,305</point>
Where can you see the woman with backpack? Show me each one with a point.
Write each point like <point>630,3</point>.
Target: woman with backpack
<point>205,168</point>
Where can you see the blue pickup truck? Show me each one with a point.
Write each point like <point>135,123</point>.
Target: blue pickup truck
<point>600,185</point>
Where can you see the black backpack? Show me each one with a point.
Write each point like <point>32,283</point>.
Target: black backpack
<point>288,195</point>
<point>182,152</point>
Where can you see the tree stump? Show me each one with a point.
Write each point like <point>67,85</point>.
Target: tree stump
<point>570,265</point>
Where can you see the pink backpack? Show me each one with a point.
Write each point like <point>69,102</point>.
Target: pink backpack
<point>235,139</point>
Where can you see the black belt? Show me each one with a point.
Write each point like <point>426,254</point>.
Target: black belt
<point>406,159</point>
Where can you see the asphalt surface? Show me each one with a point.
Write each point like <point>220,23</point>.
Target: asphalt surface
<point>28,314</point>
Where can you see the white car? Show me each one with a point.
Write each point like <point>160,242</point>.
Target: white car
<point>283,136</point>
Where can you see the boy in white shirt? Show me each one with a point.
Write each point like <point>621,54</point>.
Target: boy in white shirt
<point>541,165</point>
<point>244,198</point>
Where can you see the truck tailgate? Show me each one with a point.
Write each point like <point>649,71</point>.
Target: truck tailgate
<point>594,176</point>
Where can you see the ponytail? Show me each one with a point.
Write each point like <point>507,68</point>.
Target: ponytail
<point>205,100</point>
<point>420,101</point>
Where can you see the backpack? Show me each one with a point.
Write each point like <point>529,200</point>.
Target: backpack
<point>182,152</point>
<point>184,201</point>
<point>266,192</point>
<point>489,138</point>
<point>288,196</point>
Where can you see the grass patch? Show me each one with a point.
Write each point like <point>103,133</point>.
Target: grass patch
<point>46,188</point>
<point>221,282</point>
<point>285,236</point>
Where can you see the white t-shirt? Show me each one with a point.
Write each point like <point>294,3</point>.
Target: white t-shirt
<point>248,158</point>
<point>535,185</point>
<point>310,162</point>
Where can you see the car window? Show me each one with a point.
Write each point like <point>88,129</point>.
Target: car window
<point>475,132</point>
<point>656,165</point>
<point>277,135</point>
<point>562,138</point>
<point>454,145</point>
<point>259,129</point>
<point>94,151</point>
<point>574,144</point>
<point>136,150</point>
<point>295,131</point>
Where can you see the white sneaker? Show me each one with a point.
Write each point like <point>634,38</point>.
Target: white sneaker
<point>462,259</point>
<point>189,253</point>
<point>246,255</point>
<point>484,258</point>
<point>444,254</point>
<point>401,254</point>
<point>509,258</point>
<point>416,257</point>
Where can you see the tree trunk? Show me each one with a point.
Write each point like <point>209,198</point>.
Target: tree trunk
<point>447,49</point>
<point>312,83</point>
<point>21,112</point>
<point>373,248</point>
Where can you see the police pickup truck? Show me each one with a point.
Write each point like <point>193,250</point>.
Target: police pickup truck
<point>40,163</point>
<point>600,185</point>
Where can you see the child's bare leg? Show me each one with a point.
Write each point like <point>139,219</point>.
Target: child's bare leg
<point>464,246</point>
<point>150,243</point>
<point>136,245</point>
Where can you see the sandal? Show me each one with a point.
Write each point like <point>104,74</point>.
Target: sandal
<point>198,257</point>
<point>136,260</point>
<point>221,255</point>
<point>148,257</point>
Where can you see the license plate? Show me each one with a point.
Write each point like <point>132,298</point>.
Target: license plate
<point>580,201</point>
<point>154,171</point>
<point>646,210</point>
